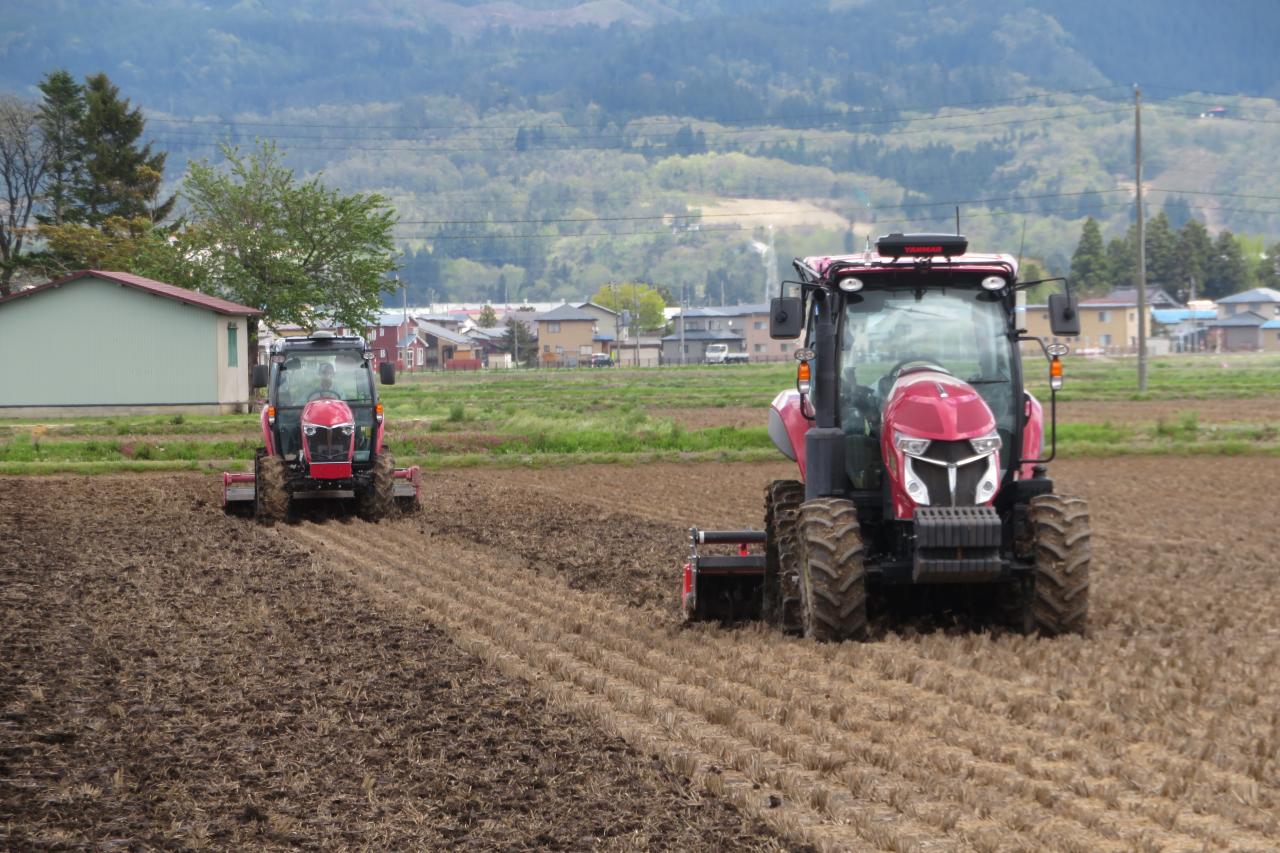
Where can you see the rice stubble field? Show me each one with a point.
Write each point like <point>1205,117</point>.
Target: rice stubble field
<point>177,677</point>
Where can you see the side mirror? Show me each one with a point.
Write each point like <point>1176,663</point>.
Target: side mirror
<point>1064,315</point>
<point>261,375</point>
<point>786,317</point>
<point>387,373</point>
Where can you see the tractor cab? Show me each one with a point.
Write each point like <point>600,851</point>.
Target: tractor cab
<point>307,372</point>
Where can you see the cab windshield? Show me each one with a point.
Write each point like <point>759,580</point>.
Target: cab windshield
<point>313,376</point>
<point>962,330</point>
<point>308,376</point>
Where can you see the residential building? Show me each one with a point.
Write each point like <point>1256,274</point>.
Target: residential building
<point>140,346</point>
<point>1262,301</point>
<point>384,337</point>
<point>567,337</point>
<point>745,328</point>
<point>1107,323</point>
<point>1242,331</point>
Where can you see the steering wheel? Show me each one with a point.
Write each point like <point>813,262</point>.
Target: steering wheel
<point>322,394</point>
<point>920,364</point>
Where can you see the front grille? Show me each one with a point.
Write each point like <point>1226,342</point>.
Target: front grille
<point>936,480</point>
<point>329,445</point>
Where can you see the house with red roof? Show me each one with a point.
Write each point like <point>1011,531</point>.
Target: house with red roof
<point>102,342</point>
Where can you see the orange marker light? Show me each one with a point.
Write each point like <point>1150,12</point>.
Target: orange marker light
<point>802,377</point>
<point>1055,373</point>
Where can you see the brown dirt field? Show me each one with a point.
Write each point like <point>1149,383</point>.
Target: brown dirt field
<point>1158,731</point>
<point>173,678</point>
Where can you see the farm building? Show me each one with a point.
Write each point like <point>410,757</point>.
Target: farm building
<point>131,346</point>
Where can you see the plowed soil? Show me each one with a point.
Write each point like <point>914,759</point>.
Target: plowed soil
<point>178,678</point>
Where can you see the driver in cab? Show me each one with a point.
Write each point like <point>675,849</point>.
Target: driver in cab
<point>325,389</point>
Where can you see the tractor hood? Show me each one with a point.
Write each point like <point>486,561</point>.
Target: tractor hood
<point>935,405</point>
<point>939,443</point>
<point>328,439</point>
<point>327,413</point>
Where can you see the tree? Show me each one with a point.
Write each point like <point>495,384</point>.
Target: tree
<point>61,113</point>
<point>119,177</point>
<point>23,161</point>
<point>642,301</point>
<point>488,318</point>
<point>1162,253</point>
<point>128,245</point>
<point>1089,263</point>
<point>519,341</point>
<point>1195,253</point>
<point>1227,271</point>
<point>1122,259</point>
<point>298,251</point>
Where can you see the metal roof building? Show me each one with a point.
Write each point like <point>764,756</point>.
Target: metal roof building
<point>139,346</point>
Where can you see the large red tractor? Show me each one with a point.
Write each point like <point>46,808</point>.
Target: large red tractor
<point>322,433</point>
<point>920,452</point>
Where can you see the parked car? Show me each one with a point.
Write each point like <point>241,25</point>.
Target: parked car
<point>600,359</point>
<point>719,354</point>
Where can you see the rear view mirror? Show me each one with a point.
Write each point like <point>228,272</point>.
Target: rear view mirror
<point>786,317</point>
<point>261,375</point>
<point>387,373</point>
<point>1064,316</point>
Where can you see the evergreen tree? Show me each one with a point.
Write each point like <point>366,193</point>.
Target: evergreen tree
<point>1269,268</point>
<point>1195,253</point>
<point>488,318</point>
<point>120,178</point>
<point>520,341</point>
<point>1227,271</point>
<point>61,113</point>
<point>1162,254</point>
<point>1122,259</point>
<point>1089,263</point>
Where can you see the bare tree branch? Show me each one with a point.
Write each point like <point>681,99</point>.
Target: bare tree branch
<point>23,161</point>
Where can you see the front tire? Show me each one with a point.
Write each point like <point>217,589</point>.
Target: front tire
<point>270,496</point>
<point>377,500</point>
<point>833,584</point>
<point>1059,601</point>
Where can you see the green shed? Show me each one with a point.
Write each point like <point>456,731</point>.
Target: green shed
<point>97,342</point>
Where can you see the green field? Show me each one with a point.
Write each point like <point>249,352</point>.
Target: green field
<point>639,415</point>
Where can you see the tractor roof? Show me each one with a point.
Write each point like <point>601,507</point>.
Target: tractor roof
<point>871,261</point>
<point>320,341</point>
<point>898,251</point>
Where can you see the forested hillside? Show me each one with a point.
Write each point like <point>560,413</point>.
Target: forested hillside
<point>540,148</point>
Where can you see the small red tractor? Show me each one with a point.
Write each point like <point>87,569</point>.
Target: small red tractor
<point>322,433</point>
<point>920,452</point>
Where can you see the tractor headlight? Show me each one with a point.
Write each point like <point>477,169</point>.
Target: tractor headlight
<point>346,429</point>
<point>910,446</point>
<point>987,444</point>
<point>916,489</point>
<point>308,429</point>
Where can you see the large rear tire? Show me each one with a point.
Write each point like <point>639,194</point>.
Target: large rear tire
<point>833,584</point>
<point>1059,601</point>
<point>378,500</point>
<point>781,592</point>
<point>270,496</point>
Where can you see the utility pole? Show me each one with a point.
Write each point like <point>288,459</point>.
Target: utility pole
<point>1142,242</point>
<point>684,304</point>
